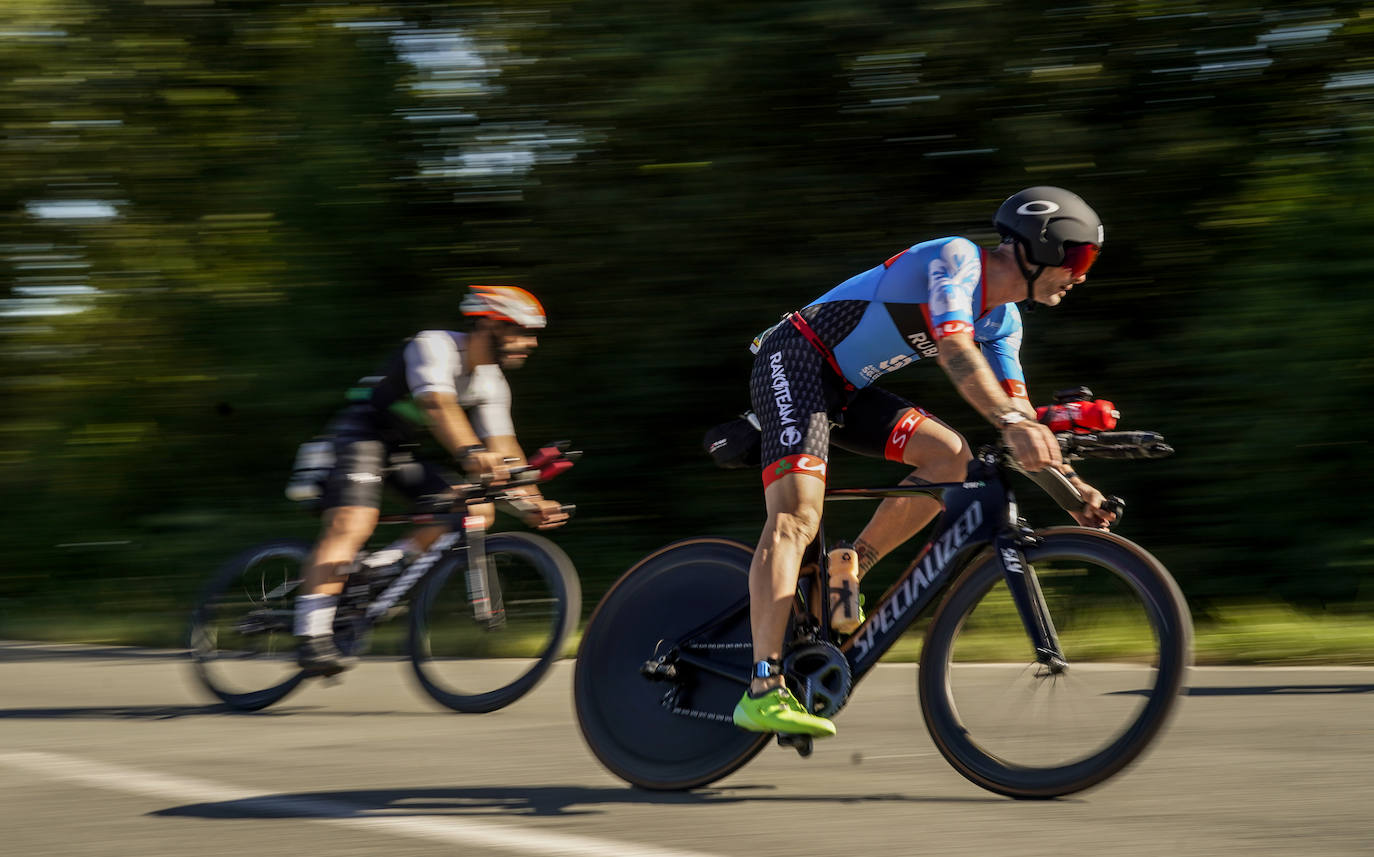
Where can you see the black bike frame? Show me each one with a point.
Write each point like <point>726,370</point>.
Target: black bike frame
<point>466,534</point>
<point>979,512</point>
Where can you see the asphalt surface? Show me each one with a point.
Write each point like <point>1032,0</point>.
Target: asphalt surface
<point>117,752</point>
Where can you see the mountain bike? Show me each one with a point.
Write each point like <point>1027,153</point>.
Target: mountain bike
<point>489,613</point>
<point>1052,661</point>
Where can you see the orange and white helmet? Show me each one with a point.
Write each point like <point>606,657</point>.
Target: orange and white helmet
<point>504,303</point>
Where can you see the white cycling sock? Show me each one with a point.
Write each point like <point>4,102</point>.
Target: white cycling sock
<point>315,615</point>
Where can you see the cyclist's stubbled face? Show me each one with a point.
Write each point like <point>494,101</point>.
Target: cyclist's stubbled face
<point>513,345</point>
<point>1054,283</point>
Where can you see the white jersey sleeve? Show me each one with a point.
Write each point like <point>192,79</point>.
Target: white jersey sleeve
<point>433,363</point>
<point>487,402</point>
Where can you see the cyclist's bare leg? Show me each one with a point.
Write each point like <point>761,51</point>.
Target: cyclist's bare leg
<point>342,534</point>
<point>487,511</point>
<point>794,515</point>
<point>422,537</point>
<point>939,454</point>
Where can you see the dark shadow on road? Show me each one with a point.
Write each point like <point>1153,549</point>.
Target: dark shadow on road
<point>534,801</point>
<point>1280,690</point>
<point>1265,690</point>
<point>171,712</point>
<point>121,712</point>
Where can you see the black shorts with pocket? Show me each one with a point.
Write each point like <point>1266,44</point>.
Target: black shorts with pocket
<point>369,454</point>
<point>803,407</point>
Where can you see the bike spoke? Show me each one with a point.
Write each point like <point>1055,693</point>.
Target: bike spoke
<point>480,642</point>
<point>241,636</point>
<point>1016,726</point>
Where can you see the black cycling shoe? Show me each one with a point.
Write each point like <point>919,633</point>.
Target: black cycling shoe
<point>319,656</point>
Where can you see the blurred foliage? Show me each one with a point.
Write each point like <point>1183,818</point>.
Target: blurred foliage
<point>218,213</point>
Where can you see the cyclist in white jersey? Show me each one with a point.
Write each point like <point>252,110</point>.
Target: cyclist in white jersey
<point>812,386</point>
<point>450,385</point>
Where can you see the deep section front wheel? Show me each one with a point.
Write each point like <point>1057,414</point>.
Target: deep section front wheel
<point>1031,730</point>
<point>241,642</point>
<point>684,608</point>
<point>479,645</point>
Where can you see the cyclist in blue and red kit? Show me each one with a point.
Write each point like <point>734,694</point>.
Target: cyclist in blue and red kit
<point>812,386</point>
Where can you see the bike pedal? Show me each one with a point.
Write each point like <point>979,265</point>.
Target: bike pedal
<point>803,744</point>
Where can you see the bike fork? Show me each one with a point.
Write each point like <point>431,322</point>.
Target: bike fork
<point>484,590</point>
<point>1030,601</point>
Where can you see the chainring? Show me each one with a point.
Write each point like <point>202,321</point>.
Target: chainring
<point>818,674</point>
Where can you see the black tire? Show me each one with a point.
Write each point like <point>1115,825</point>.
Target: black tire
<point>1125,630</point>
<point>473,668</point>
<point>665,596</point>
<point>240,640</point>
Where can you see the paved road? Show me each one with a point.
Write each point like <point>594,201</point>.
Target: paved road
<point>114,752</point>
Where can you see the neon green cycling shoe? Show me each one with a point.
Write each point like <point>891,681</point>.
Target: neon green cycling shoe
<point>779,711</point>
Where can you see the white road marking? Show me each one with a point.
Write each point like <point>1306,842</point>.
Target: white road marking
<point>453,831</point>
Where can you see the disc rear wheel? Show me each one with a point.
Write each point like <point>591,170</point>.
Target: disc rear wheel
<point>688,605</point>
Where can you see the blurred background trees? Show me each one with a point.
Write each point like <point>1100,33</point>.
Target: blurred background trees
<point>219,214</point>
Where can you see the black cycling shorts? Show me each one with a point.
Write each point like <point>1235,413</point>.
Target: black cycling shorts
<point>367,457</point>
<point>803,407</point>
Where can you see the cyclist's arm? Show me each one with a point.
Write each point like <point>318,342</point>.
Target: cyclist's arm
<point>432,363</point>
<point>527,503</point>
<point>1033,444</point>
<point>953,280</point>
<point>448,423</point>
<point>1003,355</point>
<point>507,446</point>
<point>1090,513</point>
<point>966,367</point>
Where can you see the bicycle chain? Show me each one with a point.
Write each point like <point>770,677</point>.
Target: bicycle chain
<point>669,702</point>
<point>700,715</point>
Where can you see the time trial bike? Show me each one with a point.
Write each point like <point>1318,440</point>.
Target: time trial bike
<point>489,612</point>
<point>1052,661</point>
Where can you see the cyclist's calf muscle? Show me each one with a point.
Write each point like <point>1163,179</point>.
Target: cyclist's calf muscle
<point>794,514</point>
<point>342,534</point>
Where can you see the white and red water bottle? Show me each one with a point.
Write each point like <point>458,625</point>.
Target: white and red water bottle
<point>845,615</point>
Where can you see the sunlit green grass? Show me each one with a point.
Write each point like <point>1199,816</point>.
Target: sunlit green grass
<point>1236,634</point>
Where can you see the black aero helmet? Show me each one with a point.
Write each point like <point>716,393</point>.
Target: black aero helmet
<point>1045,220</point>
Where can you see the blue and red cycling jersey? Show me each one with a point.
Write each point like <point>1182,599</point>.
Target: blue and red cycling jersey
<point>895,314</point>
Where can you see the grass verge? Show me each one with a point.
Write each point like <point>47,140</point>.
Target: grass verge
<point>1236,634</point>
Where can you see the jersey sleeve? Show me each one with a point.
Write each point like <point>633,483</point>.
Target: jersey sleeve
<point>1003,353</point>
<point>490,411</point>
<point>953,277</point>
<point>432,362</point>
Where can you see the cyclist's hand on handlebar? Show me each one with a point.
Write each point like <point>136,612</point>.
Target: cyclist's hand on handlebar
<point>1033,444</point>
<point>1092,514</point>
<point>483,464</point>
<point>543,514</point>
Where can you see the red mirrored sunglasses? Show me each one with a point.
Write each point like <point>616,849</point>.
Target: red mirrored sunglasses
<point>1080,257</point>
